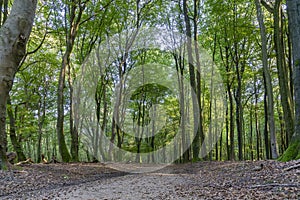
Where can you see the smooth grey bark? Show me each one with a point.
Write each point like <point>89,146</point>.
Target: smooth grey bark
<point>293,7</point>
<point>268,80</point>
<point>294,24</point>
<point>266,125</point>
<point>285,89</point>
<point>14,35</point>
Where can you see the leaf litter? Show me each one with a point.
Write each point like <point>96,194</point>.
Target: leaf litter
<point>202,180</point>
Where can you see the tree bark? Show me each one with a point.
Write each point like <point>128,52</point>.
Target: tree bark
<point>286,98</point>
<point>230,107</point>
<point>41,120</point>
<point>14,35</point>
<point>192,76</point>
<point>268,80</point>
<point>74,23</point>
<point>63,150</point>
<point>73,126</point>
<point>266,125</point>
<point>293,7</point>
<point>180,74</point>
<point>239,109</point>
<point>12,133</point>
<point>257,130</point>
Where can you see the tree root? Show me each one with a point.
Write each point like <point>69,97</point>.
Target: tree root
<point>28,161</point>
<point>292,167</point>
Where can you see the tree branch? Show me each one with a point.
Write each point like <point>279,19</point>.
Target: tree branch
<point>292,167</point>
<point>269,7</point>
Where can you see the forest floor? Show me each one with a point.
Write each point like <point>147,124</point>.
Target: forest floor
<point>201,180</point>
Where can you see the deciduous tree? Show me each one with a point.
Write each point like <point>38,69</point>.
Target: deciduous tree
<point>14,35</point>
<point>293,151</point>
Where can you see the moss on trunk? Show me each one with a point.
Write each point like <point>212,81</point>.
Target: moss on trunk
<point>292,152</point>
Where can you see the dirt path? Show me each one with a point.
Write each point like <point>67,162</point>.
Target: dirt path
<point>203,180</point>
<point>137,186</point>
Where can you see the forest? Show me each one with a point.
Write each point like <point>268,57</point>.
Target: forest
<point>149,99</point>
<point>149,81</point>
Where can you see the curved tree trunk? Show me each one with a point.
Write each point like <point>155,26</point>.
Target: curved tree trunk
<point>76,11</point>
<point>14,35</point>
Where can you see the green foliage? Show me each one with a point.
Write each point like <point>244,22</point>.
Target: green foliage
<point>153,95</point>
<point>225,28</point>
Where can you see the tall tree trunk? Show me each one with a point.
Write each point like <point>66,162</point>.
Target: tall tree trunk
<point>227,129</point>
<point>152,138</point>
<point>239,70</point>
<point>183,112</point>
<point>283,135</point>
<point>285,90</point>
<point>14,35</point>
<point>74,22</point>
<point>192,76</point>
<point>230,107</point>
<point>239,112</point>
<point>73,126</point>
<point>231,122</point>
<point>116,121</point>
<point>257,131</point>
<point>251,133</point>
<point>63,150</point>
<point>180,78</point>
<point>199,137</point>
<point>286,98</point>
<point>101,102</point>
<point>268,80</point>
<point>293,7</point>
<point>41,121</point>
<point>266,125</point>
<point>12,133</point>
